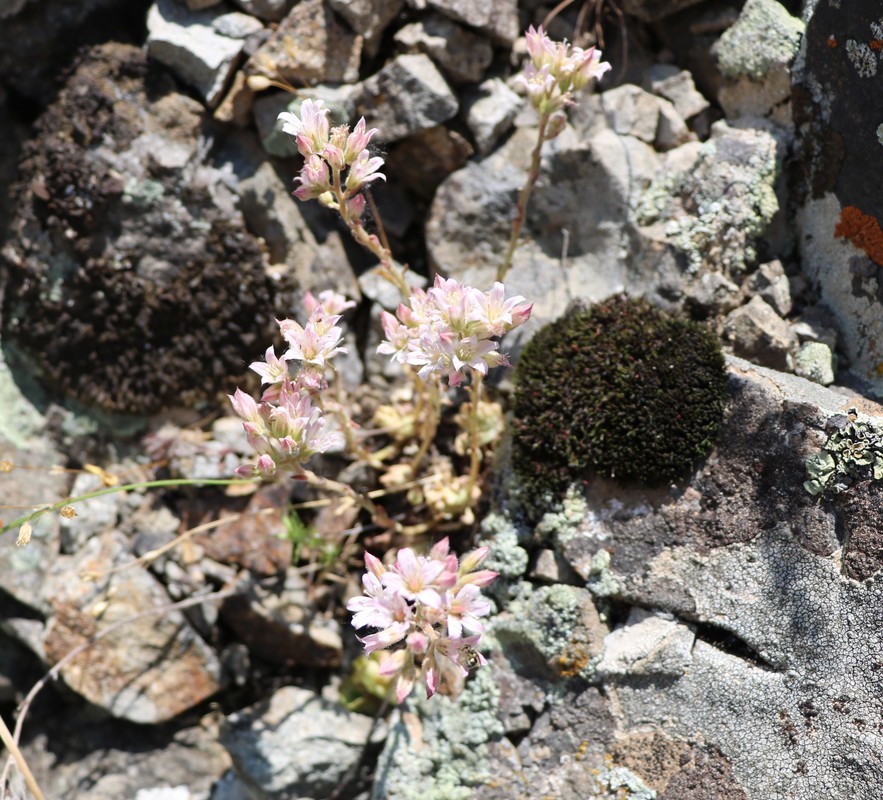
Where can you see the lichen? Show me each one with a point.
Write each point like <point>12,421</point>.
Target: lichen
<point>862,231</point>
<point>853,451</point>
<point>621,783</point>
<point>450,759</point>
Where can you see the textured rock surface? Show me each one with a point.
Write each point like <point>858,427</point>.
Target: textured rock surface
<point>836,82</point>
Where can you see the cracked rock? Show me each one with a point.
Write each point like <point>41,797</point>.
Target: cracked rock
<point>758,333</point>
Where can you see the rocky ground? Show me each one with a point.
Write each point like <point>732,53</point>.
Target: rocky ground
<point>719,638</point>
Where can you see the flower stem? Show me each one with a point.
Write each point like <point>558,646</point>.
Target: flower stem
<point>16,523</point>
<point>431,415</point>
<point>378,513</point>
<point>475,455</point>
<point>523,197</point>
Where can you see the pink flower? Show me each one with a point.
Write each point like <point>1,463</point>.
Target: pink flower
<point>310,129</point>
<point>358,140</point>
<point>314,179</point>
<point>363,170</point>
<point>271,369</point>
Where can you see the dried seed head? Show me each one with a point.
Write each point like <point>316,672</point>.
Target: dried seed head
<point>24,534</point>
<point>68,512</point>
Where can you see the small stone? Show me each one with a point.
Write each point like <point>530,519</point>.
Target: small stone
<point>187,43</point>
<point>632,111</point>
<point>311,45</point>
<point>672,131</point>
<point>552,567</point>
<point>368,18</point>
<point>236,25</point>
<point>461,53</point>
<point>713,293</point>
<point>269,10</point>
<point>498,18</point>
<point>755,56</point>
<point>676,86</point>
<point>815,362</point>
<point>489,112</point>
<point>328,741</point>
<point>421,162</point>
<point>151,670</point>
<point>236,106</point>
<point>772,284</point>
<point>759,334</point>
<point>407,96</point>
<point>648,644</point>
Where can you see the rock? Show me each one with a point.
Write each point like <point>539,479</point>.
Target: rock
<point>632,111</point>
<point>755,56</point>
<point>653,10</point>
<point>140,257</point>
<point>712,293</point>
<point>470,221</point>
<point>676,86</point>
<point>497,18</point>
<point>836,79</point>
<point>368,18</point>
<point>190,45</point>
<point>270,10</point>
<point>759,334</point>
<point>407,96</point>
<point>772,284</point>
<point>280,625</point>
<point>551,568</point>
<point>671,131</point>
<point>151,670</point>
<point>649,645</point>
<point>815,362</point>
<point>423,161</point>
<point>462,55</point>
<point>310,46</point>
<point>117,759</point>
<point>328,740</point>
<point>93,516</point>
<point>723,211</point>
<point>489,112</point>
<point>237,26</point>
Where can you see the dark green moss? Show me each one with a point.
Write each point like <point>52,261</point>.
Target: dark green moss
<point>620,389</point>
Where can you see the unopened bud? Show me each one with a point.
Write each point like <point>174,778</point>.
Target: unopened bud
<point>258,83</point>
<point>24,534</point>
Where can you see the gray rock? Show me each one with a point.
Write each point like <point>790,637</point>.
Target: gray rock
<point>407,96</point>
<point>772,284</point>
<point>632,111</point>
<point>277,625</point>
<point>368,18</point>
<point>311,45</point>
<point>189,45</point>
<point>676,85</point>
<point>755,56</point>
<point>327,740</point>
<point>671,131</point>
<point>815,362</point>
<point>470,220</point>
<point>93,516</point>
<point>462,54</point>
<point>648,645</point>
<point>712,293</point>
<point>237,26</point>
<point>725,203</point>
<point>154,668</point>
<point>836,78</point>
<point>489,112</point>
<point>423,161</point>
<point>758,333</point>
<point>270,10</point>
<point>497,18</point>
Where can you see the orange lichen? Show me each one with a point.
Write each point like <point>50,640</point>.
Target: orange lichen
<point>876,44</point>
<point>863,231</point>
<point>832,42</point>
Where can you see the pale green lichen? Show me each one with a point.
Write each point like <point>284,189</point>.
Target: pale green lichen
<point>142,194</point>
<point>504,538</point>
<point>853,451</point>
<point>451,758</point>
<point>602,581</point>
<point>622,784</point>
<point>564,523</point>
<point>764,36</point>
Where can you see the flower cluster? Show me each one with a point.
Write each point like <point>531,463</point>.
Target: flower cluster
<point>452,328</point>
<point>556,71</point>
<point>328,152</point>
<point>286,428</point>
<point>432,604</point>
